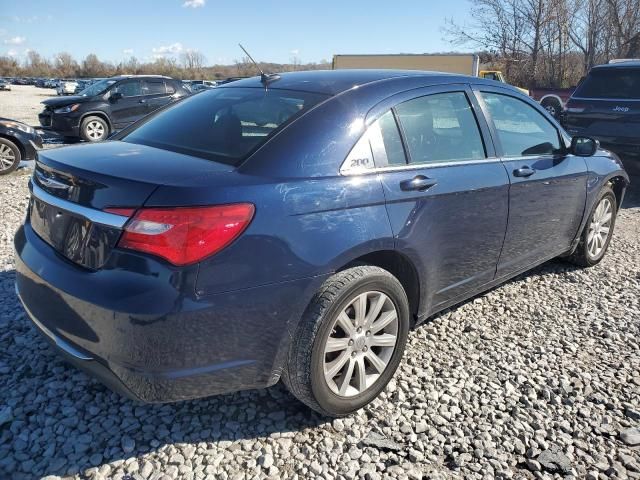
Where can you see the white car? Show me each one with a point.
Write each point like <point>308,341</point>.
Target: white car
<point>67,87</point>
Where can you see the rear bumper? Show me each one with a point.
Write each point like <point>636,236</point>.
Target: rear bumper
<point>149,342</point>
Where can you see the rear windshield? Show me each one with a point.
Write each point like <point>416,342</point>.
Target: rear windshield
<point>615,83</point>
<point>223,124</point>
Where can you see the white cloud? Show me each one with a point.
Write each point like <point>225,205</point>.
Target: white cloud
<point>295,51</point>
<point>15,40</point>
<point>128,51</point>
<point>12,53</point>
<point>193,3</point>
<point>165,50</point>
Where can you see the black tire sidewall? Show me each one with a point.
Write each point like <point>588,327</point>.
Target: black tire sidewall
<point>328,400</point>
<point>16,153</point>
<point>84,124</point>
<point>606,192</point>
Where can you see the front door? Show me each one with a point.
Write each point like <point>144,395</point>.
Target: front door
<point>548,186</point>
<point>131,106</point>
<point>446,192</point>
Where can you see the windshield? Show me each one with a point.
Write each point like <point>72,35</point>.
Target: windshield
<point>97,88</point>
<point>223,124</point>
<point>613,83</point>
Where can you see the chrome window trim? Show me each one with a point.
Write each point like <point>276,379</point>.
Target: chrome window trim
<point>91,214</point>
<point>420,166</point>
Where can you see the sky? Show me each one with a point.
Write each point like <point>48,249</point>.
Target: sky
<point>271,30</point>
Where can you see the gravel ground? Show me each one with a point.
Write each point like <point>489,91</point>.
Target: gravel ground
<point>23,103</point>
<point>539,378</point>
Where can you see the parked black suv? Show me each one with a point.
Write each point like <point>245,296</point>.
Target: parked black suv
<point>606,106</point>
<point>108,105</point>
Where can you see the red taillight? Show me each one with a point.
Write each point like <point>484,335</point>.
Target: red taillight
<point>185,235</point>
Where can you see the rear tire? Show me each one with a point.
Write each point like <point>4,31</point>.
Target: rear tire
<point>10,156</point>
<point>593,242</point>
<point>358,319</point>
<point>94,129</point>
<point>552,106</point>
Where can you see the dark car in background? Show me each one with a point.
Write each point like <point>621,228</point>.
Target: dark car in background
<point>606,106</point>
<point>296,226</point>
<point>18,141</point>
<point>4,85</point>
<point>109,105</point>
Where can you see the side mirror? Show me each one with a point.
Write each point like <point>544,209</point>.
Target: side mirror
<point>115,96</point>
<point>584,146</point>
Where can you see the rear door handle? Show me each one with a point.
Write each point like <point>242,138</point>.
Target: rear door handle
<point>419,183</point>
<point>525,171</point>
<point>143,101</point>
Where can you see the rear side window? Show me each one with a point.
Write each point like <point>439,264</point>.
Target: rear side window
<point>223,124</point>
<point>522,130</point>
<point>439,128</point>
<point>153,87</point>
<point>171,89</point>
<point>614,83</point>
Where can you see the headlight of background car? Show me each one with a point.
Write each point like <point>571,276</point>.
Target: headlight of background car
<point>18,126</point>
<point>67,109</point>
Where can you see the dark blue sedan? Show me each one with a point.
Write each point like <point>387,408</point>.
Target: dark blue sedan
<point>296,227</point>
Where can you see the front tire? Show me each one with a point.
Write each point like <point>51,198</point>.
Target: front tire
<point>94,129</point>
<point>10,156</point>
<point>597,233</point>
<point>349,342</point>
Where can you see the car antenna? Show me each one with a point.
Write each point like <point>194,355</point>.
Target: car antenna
<point>265,78</point>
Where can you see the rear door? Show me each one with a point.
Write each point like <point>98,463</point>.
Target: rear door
<point>154,93</point>
<point>606,106</point>
<point>446,192</point>
<point>548,186</point>
<point>131,106</point>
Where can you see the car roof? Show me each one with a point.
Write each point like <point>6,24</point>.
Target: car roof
<point>333,82</point>
<point>123,77</point>
<point>620,64</point>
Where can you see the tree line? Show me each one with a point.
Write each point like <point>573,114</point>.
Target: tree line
<point>549,42</point>
<point>188,65</point>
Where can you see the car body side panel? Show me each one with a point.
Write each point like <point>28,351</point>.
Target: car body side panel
<point>453,232</point>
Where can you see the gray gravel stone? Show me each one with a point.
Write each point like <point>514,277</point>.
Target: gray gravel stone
<point>549,362</point>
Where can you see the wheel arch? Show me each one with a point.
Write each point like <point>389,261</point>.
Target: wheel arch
<point>554,97</point>
<point>97,113</point>
<point>618,185</point>
<point>16,142</point>
<point>400,267</point>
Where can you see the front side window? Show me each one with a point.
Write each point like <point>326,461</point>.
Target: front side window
<point>223,124</point>
<point>522,130</point>
<point>131,88</point>
<point>440,128</point>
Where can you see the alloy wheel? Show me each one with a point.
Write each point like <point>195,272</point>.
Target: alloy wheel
<point>7,157</point>
<point>600,227</point>
<point>95,130</point>
<point>361,343</point>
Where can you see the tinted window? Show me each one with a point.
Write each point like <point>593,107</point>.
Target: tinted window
<point>386,142</point>
<point>522,130</point>
<point>130,88</point>
<point>618,83</point>
<point>171,89</point>
<point>440,127</point>
<point>381,142</point>
<point>223,124</point>
<point>153,87</point>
